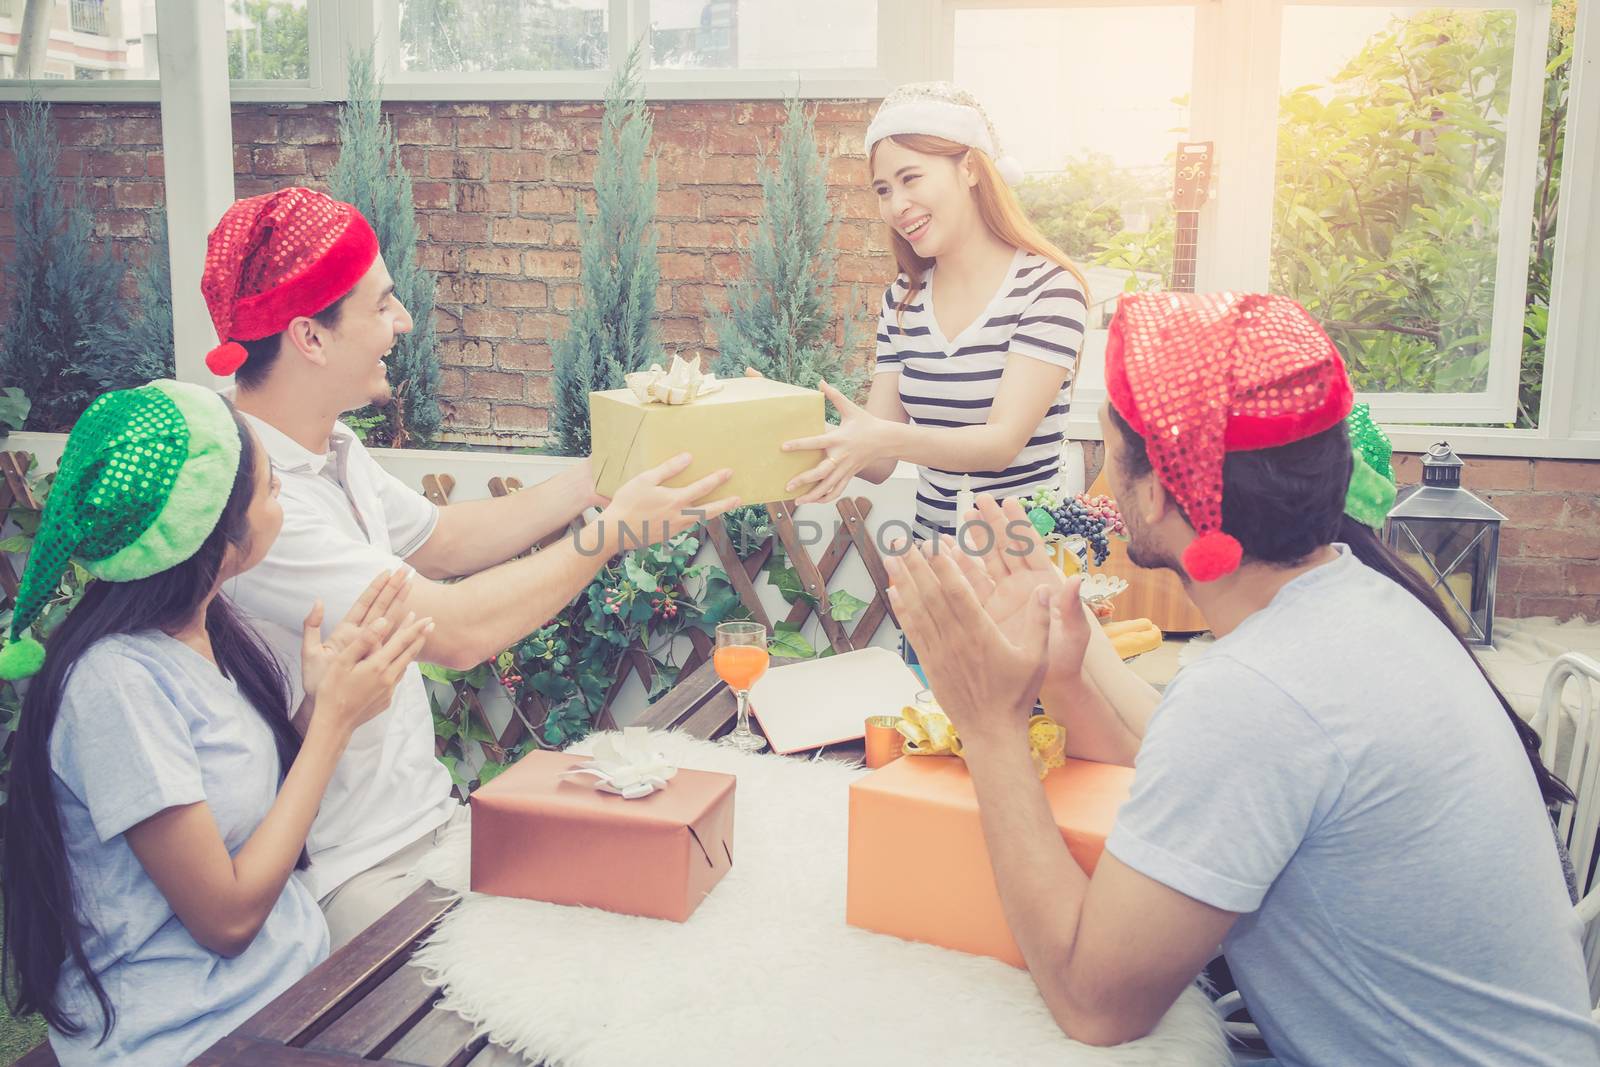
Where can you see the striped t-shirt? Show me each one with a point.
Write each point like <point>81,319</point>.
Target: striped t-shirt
<point>1038,312</point>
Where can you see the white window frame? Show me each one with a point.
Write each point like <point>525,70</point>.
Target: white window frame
<point>915,41</point>
<point>334,25</point>
<point>1234,103</point>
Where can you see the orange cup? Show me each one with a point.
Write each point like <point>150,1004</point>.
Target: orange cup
<point>883,740</point>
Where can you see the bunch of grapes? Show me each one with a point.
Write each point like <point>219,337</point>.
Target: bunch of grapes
<point>1093,518</point>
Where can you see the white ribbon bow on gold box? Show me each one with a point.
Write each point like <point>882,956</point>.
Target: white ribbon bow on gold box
<point>680,385</point>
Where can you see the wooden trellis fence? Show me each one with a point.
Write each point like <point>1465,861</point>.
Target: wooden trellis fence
<point>852,532</point>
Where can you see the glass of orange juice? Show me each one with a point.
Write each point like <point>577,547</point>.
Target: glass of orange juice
<point>741,658</point>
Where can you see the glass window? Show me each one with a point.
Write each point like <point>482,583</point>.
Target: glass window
<point>1390,177</point>
<point>763,34</point>
<point>472,36</point>
<point>1096,135</point>
<point>89,16</point>
<point>268,40</point>
<point>85,40</point>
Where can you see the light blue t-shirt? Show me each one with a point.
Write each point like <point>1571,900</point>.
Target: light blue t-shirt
<point>1337,770</point>
<point>147,723</point>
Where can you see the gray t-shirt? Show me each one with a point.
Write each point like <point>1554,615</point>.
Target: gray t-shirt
<point>1337,771</point>
<point>145,724</point>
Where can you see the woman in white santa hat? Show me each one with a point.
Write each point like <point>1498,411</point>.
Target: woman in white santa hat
<point>978,336</point>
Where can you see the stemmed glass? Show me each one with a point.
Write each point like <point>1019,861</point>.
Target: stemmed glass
<point>741,658</point>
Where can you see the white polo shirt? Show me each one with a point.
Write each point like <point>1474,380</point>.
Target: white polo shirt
<point>346,520</point>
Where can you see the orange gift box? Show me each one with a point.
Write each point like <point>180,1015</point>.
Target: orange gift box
<point>919,868</point>
<point>539,836</point>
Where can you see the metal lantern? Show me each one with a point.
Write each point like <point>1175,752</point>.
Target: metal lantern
<point>1453,540</point>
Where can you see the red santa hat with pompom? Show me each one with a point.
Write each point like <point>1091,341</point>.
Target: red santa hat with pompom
<point>276,257</point>
<point>1199,375</point>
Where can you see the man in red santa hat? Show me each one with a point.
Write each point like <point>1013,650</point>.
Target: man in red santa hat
<point>306,311</point>
<point>1334,792</point>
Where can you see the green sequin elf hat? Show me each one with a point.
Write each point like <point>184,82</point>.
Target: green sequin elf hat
<point>1372,488</point>
<point>142,481</point>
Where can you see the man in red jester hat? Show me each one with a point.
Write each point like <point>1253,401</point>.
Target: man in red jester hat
<point>1333,792</point>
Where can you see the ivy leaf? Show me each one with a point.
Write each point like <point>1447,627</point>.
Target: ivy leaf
<point>450,764</point>
<point>643,579</point>
<point>16,543</point>
<point>717,604</point>
<point>480,676</point>
<point>490,771</point>
<point>790,645</point>
<point>843,606</point>
<point>640,611</point>
<point>787,581</point>
<point>552,687</point>
<point>14,407</point>
<point>441,674</point>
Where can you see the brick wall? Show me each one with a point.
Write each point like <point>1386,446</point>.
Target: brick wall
<point>496,190</point>
<point>1550,542</point>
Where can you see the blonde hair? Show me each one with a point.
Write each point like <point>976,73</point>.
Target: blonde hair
<point>997,207</point>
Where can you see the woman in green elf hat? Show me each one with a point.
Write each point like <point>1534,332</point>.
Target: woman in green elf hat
<point>160,797</point>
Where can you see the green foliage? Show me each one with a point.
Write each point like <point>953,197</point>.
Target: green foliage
<point>1390,182</point>
<point>369,175</point>
<point>783,318</point>
<point>62,285</point>
<point>612,331</point>
<point>1552,143</point>
<point>142,333</point>
<point>367,424</point>
<point>14,405</point>
<point>649,600</point>
<point>645,599</point>
<point>1081,207</point>
<point>1146,255</point>
<point>1386,216</point>
<point>271,43</point>
<point>786,638</point>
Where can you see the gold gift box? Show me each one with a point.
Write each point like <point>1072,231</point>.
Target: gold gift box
<point>742,426</point>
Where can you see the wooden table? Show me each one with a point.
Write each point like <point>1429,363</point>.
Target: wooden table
<point>367,1003</point>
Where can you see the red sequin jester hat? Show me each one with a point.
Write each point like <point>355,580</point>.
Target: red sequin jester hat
<point>276,257</point>
<point>1199,375</point>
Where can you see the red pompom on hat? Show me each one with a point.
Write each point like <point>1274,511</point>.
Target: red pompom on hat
<point>1198,375</point>
<point>276,257</point>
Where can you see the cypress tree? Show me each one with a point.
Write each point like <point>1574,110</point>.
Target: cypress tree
<point>63,285</point>
<point>369,175</point>
<point>612,331</point>
<point>782,318</point>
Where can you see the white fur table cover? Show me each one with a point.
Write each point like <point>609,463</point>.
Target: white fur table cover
<point>766,971</point>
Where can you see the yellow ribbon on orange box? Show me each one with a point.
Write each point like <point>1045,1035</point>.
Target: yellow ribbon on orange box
<point>929,732</point>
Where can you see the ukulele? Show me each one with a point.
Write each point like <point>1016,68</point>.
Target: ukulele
<point>1191,185</point>
<point>1158,595</point>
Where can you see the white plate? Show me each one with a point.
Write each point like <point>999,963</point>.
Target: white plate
<point>824,701</point>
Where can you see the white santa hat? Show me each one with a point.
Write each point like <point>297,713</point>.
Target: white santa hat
<point>940,109</point>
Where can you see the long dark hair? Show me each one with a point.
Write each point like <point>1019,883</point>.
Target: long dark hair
<point>41,916</point>
<point>1282,504</point>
